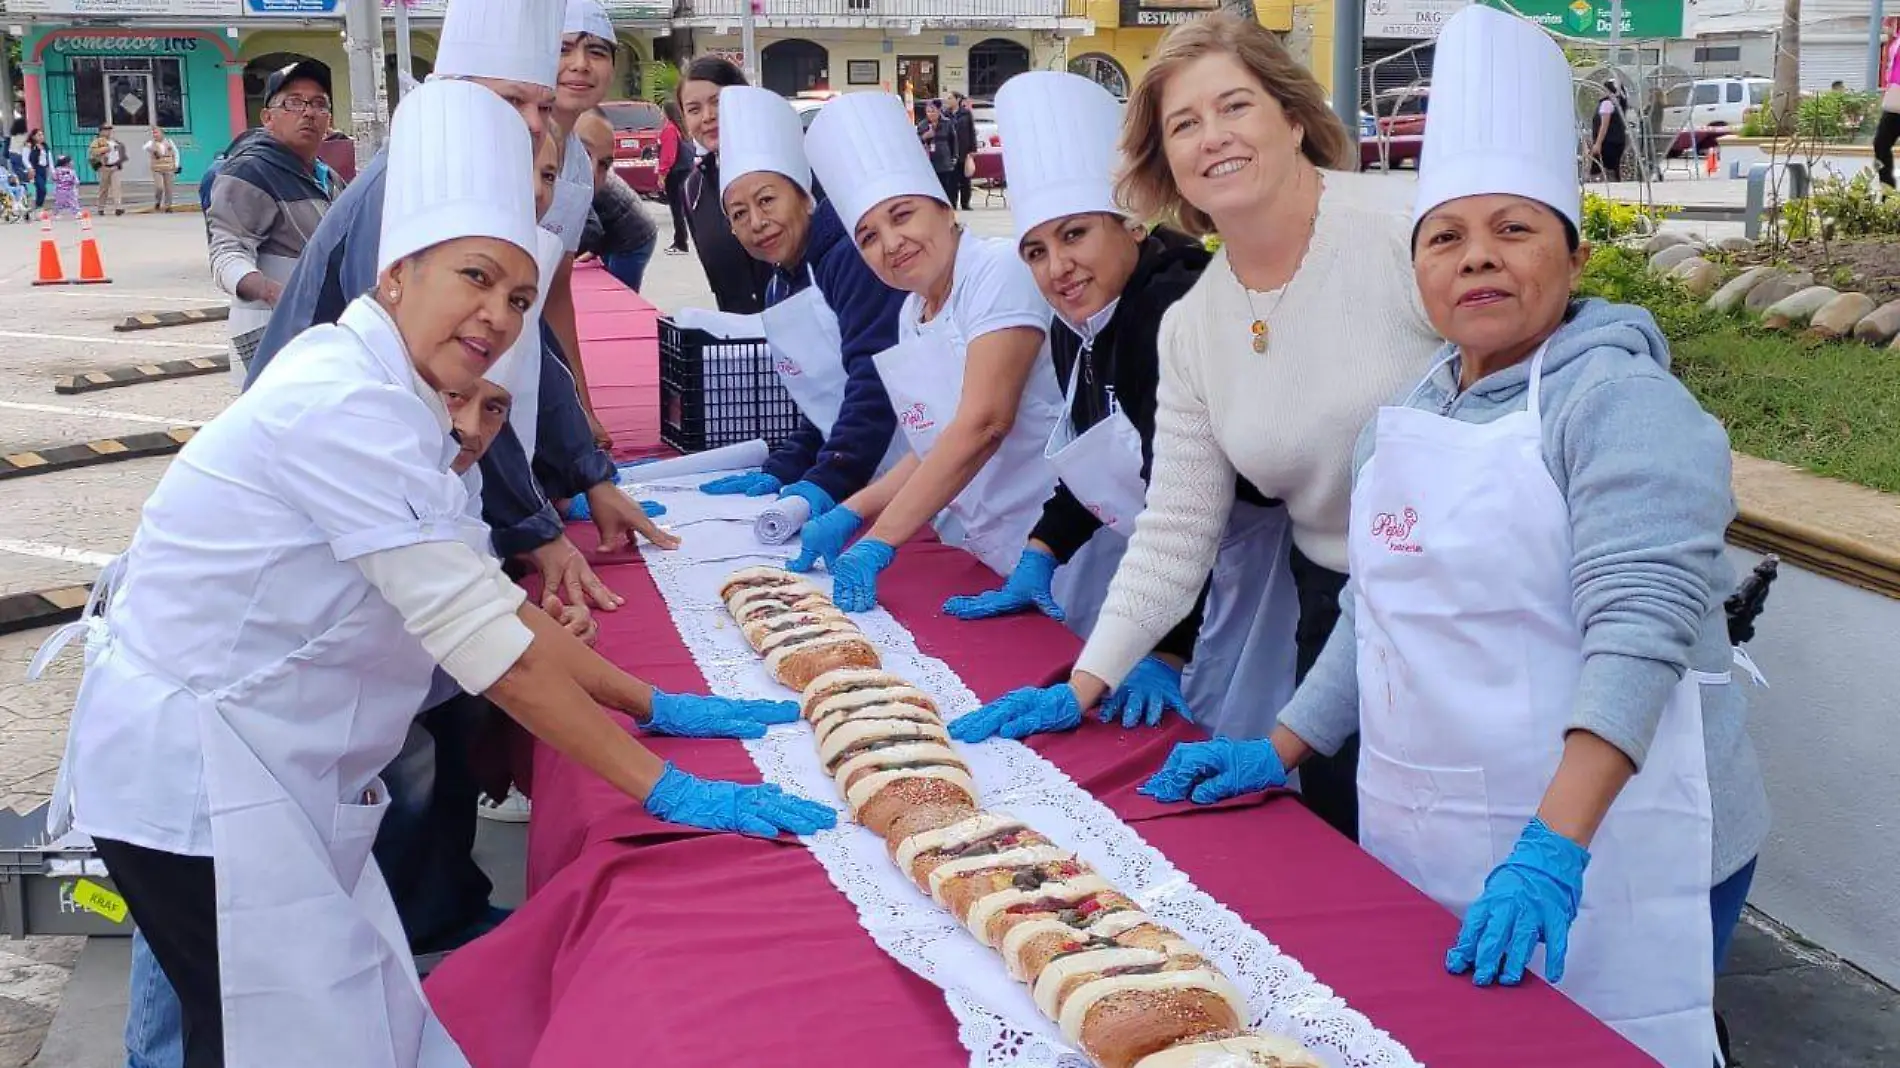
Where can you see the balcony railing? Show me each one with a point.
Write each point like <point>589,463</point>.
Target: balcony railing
<point>929,12</point>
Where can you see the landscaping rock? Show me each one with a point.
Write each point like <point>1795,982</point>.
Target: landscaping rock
<point>1796,309</point>
<point>1783,284</point>
<point>1665,261</point>
<point>1734,244</point>
<point>1729,297</point>
<point>1838,317</point>
<point>1662,241</point>
<point>1697,276</point>
<point>1881,325</point>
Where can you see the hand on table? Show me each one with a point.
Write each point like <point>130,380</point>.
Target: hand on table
<point>694,716</point>
<point>1206,772</point>
<point>566,572</point>
<point>762,811</point>
<point>1027,587</point>
<point>623,521</point>
<point>823,539</point>
<point>811,493</point>
<point>1530,898</point>
<point>1021,713</point>
<point>574,618</point>
<point>854,574</point>
<point>1153,687</point>
<point>751,483</point>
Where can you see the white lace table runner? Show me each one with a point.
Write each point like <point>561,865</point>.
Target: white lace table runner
<point>997,1021</point>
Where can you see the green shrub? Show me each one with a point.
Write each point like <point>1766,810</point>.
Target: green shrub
<point>1606,220</point>
<point>1841,207</point>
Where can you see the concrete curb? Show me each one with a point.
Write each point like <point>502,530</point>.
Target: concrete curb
<point>160,320</point>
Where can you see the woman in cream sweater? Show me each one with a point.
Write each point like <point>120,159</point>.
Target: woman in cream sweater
<point>1306,321</point>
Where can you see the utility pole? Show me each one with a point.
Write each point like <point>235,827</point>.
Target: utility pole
<point>1874,19</point>
<point>748,40</point>
<point>363,33</point>
<point>404,69</point>
<point>1349,49</point>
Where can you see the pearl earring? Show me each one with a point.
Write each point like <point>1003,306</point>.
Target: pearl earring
<point>395,293</point>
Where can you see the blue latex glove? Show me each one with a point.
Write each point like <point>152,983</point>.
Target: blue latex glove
<point>578,508</point>
<point>1146,695</point>
<point>752,484</point>
<point>762,811</point>
<point>1021,713</point>
<point>1530,898</point>
<point>1207,772</point>
<point>1026,588</point>
<point>693,716</point>
<point>813,495</point>
<point>823,539</point>
<point>855,571</point>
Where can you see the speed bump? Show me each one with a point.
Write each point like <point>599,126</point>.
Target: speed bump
<point>134,376</point>
<point>26,611</point>
<point>90,453</point>
<point>161,320</point>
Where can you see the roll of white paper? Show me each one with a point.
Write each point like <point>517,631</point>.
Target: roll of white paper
<point>725,458</point>
<point>782,520</point>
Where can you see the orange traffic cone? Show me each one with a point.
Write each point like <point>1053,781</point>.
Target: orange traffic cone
<point>51,273</point>
<point>92,270</point>
<point>1715,160</point>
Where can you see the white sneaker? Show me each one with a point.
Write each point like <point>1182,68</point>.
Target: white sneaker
<point>514,809</point>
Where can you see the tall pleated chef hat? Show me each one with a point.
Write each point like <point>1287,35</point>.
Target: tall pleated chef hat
<point>1504,116</point>
<point>759,131</point>
<point>461,164</point>
<point>514,40</point>
<point>587,16</point>
<point>863,147</point>
<point>1059,132</point>
<point>519,369</point>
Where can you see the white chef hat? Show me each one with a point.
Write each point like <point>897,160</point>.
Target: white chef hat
<point>514,40</point>
<point>587,16</point>
<point>759,131</point>
<point>864,149</point>
<point>1059,131</point>
<point>1504,116</point>
<point>461,164</point>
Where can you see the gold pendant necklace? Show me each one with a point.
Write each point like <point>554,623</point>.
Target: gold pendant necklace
<point>1262,334</point>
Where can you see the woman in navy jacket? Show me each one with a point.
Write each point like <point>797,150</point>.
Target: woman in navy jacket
<point>827,315</point>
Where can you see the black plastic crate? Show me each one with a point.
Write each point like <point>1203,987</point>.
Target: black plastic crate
<point>719,391</point>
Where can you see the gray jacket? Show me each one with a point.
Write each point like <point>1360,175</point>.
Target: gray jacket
<point>1645,473</point>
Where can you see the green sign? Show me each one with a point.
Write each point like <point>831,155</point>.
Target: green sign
<point>1591,18</point>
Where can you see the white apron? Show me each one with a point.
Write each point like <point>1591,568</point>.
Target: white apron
<point>1102,469</point>
<point>1469,652</point>
<point>992,517</point>
<point>314,967</point>
<point>808,354</point>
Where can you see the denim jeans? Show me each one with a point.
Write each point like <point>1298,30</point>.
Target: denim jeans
<point>631,267</point>
<point>154,1023</point>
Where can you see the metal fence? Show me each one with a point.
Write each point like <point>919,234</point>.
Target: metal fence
<point>934,12</point>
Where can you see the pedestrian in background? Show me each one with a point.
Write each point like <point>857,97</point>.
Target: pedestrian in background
<point>107,155</point>
<point>163,152</point>
<point>956,108</point>
<point>65,188</point>
<point>940,144</point>
<point>676,162</point>
<point>40,159</point>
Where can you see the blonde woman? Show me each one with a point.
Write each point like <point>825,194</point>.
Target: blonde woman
<point>1306,321</point>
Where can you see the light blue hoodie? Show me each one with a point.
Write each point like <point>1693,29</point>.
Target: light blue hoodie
<point>1645,473</point>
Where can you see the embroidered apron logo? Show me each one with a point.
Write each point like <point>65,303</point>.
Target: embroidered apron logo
<point>1396,529</point>
<point>916,417</point>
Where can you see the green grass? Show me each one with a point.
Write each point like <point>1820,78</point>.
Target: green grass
<point>1829,407</point>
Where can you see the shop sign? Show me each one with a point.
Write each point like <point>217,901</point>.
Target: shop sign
<point>128,45</point>
<point>292,8</point>
<point>1165,12</point>
<point>1415,20</point>
<point>216,9</point>
<point>1591,18</point>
